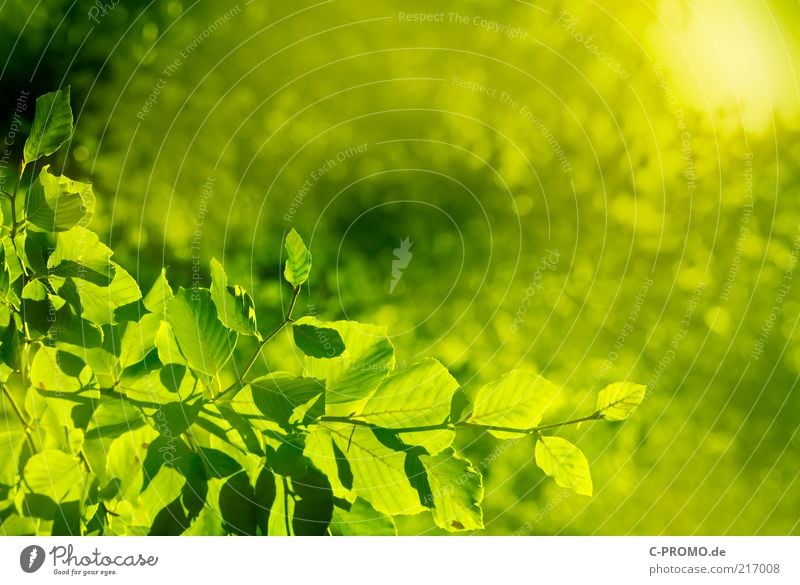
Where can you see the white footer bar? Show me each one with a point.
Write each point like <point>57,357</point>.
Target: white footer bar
<point>407,561</point>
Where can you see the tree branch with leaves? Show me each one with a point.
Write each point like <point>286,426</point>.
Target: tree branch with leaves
<point>128,414</point>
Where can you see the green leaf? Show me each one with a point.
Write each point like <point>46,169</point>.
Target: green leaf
<point>204,341</point>
<point>112,418</point>
<point>318,342</point>
<point>79,254</point>
<point>138,339</point>
<point>419,395</point>
<point>352,377</point>
<point>152,388</point>
<point>313,506</point>
<point>565,463</point>
<point>15,525</point>
<point>167,346</point>
<point>238,505</point>
<point>57,204</point>
<point>13,444</point>
<point>298,260</point>
<point>81,271</point>
<point>235,306</point>
<point>328,458</point>
<point>35,291</point>
<point>618,401</point>
<point>279,396</point>
<point>47,372</point>
<point>126,460</point>
<point>456,491</point>
<point>517,400</point>
<point>164,488</point>
<point>12,344</point>
<point>54,474</point>
<point>361,519</point>
<point>378,473</point>
<point>52,125</point>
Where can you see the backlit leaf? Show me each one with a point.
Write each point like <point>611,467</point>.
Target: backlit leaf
<point>618,401</point>
<point>234,305</point>
<point>56,203</point>
<point>298,259</point>
<point>517,401</point>
<point>54,474</point>
<point>352,377</point>
<point>565,463</point>
<point>419,395</point>
<point>456,490</point>
<point>204,341</point>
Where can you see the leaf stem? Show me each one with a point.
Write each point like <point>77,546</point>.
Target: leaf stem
<point>286,320</point>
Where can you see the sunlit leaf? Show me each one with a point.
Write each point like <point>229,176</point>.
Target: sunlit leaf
<point>361,519</point>
<point>419,395</point>
<point>54,474</point>
<point>456,491</point>
<point>618,401</point>
<point>204,341</point>
<point>565,463</point>
<point>518,400</point>
<point>56,203</point>
<point>298,259</point>
<point>352,377</point>
<point>235,306</point>
<point>378,473</point>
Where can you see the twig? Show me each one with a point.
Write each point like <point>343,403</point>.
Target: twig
<point>448,425</point>
<point>286,320</point>
<point>25,424</point>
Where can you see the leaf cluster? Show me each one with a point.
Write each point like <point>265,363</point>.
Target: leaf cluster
<point>117,421</point>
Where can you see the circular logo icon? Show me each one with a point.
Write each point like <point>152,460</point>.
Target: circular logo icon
<point>31,558</point>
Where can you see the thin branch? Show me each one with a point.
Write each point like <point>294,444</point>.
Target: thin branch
<point>286,505</point>
<point>593,416</point>
<point>14,201</point>
<point>85,459</point>
<point>448,425</point>
<point>18,411</point>
<point>286,320</point>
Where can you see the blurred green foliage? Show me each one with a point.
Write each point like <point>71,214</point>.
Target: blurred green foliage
<point>595,208</point>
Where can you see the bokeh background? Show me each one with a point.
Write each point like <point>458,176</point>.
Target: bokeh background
<point>597,191</point>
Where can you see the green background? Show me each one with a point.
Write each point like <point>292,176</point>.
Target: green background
<point>652,146</point>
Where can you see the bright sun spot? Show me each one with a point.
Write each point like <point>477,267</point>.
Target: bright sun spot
<point>728,55</point>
